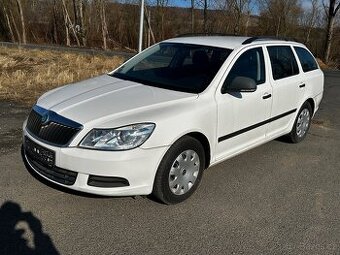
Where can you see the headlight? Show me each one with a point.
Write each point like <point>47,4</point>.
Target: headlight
<point>117,139</point>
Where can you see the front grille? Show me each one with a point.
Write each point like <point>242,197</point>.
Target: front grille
<point>56,130</point>
<point>35,155</point>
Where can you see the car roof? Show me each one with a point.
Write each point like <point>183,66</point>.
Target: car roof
<point>230,42</point>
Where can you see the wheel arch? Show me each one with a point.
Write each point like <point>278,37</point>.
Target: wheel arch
<point>312,104</point>
<point>205,143</point>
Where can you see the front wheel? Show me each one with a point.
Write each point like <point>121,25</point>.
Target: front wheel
<point>301,124</point>
<point>180,171</point>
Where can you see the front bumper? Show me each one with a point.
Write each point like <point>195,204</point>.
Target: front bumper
<point>137,166</point>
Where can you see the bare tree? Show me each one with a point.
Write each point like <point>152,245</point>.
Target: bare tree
<point>310,18</point>
<point>8,22</point>
<point>205,16</point>
<point>69,25</point>
<point>102,15</point>
<point>55,32</point>
<point>192,16</point>
<point>240,8</point>
<point>22,19</point>
<point>148,23</point>
<point>82,23</point>
<point>15,26</point>
<point>75,11</point>
<point>161,8</point>
<point>204,5</point>
<point>331,12</point>
<point>235,15</point>
<point>78,10</point>
<point>279,17</point>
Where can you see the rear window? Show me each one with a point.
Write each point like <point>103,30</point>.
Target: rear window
<point>283,62</point>
<point>308,62</point>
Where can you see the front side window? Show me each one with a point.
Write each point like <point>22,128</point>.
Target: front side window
<point>250,65</point>
<point>175,66</point>
<point>283,62</point>
<point>307,61</point>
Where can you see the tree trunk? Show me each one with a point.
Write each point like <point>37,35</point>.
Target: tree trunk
<point>69,23</point>
<point>75,11</point>
<point>67,32</point>
<point>278,28</point>
<point>205,16</point>
<point>23,27</point>
<point>148,22</point>
<point>162,24</point>
<point>332,11</point>
<point>15,27</point>
<point>237,23</point>
<point>247,24</point>
<point>329,37</point>
<point>55,32</point>
<point>9,25</point>
<point>148,39</point>
<point>192,16</point>
<point>103,24</point>
<point>82,24</point>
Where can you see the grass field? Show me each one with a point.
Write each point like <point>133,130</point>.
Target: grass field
<point>27,74</point>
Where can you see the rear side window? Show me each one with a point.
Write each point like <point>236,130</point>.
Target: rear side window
<point>283,62</point>
<point>251,65</point>
<point>308,62</point>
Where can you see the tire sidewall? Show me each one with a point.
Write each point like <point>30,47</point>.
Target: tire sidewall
<point>161,185</point>
<point>294,137</point>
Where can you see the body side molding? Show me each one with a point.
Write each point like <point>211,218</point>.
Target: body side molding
<point>241,131</point>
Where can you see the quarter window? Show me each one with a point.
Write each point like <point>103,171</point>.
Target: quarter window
<point>307,61</point>
<point>283,62</point>
<point>251,65</point>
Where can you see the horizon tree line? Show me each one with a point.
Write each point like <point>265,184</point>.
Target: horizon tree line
<point>110,24</point>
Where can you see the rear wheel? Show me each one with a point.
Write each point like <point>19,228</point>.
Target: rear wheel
<point>180,171</point>
<point>302,124</point>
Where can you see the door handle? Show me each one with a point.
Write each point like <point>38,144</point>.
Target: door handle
<point>302,85</point>
<point>266,96</point>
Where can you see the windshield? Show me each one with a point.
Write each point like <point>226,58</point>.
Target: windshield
<point>175,66</point>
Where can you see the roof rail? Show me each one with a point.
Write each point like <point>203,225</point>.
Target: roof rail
<point>262,38</point>
<point>203,34</point>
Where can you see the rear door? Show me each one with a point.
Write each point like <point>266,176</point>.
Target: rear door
<point>287,87</point>
<point>312,75</point>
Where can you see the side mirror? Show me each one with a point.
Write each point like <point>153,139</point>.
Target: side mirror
<point>240,84</point>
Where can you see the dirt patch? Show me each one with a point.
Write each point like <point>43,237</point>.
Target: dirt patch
<point>325,124</point>
<point>12,115</point>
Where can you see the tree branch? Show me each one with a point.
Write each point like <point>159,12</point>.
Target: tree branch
<point>337,9</point>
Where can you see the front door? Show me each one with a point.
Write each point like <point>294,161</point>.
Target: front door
<point>242,115</point>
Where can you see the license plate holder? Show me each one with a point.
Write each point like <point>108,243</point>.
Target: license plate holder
<point>39,153</point>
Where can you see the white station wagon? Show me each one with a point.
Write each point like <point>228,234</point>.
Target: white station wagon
<point>155,123</point>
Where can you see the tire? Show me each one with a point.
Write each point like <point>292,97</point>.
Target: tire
<point>301,124</point>
<point>177,178</point>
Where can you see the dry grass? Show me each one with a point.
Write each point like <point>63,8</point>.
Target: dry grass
<point>322,65</point>
<point>26,74</point>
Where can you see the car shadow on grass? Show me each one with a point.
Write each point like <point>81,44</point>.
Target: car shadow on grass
<point>14,238</point>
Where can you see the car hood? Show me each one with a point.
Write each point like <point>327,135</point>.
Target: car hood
<point>105,97</point>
